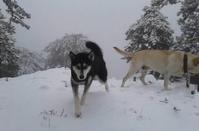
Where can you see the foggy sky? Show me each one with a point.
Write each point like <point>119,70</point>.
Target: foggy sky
<point>103,21</point>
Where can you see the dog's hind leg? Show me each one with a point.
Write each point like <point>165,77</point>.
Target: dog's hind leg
<point>187,80</point>
<point>105,84</point>
<point>142,78</point>
<point>86,88</point>
<point>102,77</point>
<point>128,75</point>
<point>166,81</point>
<point>76,100</point>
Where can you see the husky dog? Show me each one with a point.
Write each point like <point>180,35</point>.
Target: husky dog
<point>168,63</point>
<point>85,67</point>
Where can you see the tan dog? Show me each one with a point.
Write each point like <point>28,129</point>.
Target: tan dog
<point>168,63</point>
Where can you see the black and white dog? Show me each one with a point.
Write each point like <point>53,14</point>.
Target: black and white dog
<point>85,67</point>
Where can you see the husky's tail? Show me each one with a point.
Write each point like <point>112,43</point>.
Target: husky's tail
<point>124,53</point>
<point>95,48</point>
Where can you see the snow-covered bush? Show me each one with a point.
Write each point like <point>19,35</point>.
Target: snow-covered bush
<point>29,61</point>
<point>58,50</point>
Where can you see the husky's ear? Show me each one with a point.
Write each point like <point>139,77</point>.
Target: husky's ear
<point>72,55</point>
<point>91,56</point>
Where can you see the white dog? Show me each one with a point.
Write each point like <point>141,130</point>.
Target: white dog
<point>168,63</point>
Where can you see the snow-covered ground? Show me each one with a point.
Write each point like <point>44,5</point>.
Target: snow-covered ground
<point>43,101</point>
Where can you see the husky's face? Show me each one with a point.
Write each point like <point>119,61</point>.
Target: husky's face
<point>81,64</point>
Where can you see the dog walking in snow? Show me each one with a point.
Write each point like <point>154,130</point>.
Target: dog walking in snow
<point>85,67</point>
<point>168,63</point>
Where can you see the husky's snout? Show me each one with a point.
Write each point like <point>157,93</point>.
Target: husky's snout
<point>81,77</point>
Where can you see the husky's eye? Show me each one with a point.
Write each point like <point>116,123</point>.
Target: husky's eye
<point>78,66</point>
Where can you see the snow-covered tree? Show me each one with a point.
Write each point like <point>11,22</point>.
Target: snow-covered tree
<point>29,61</point>
<point>17,13</point>
<point>161,3</point>
<point>189,22</point>
<point>58,50</point>
<point>151,31</point>
<point>8,56</point>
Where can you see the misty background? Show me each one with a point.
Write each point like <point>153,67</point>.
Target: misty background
<point>104,22</point>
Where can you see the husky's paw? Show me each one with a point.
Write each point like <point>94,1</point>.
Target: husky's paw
<point>122,86</point>
<point>107,90</point>
<point>127,86</point>
<point>166,89</point>
<point>78,115</point>
<point>193,92</point>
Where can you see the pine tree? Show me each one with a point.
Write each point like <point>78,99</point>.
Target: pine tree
<point>17,13</point>
<point>8,56</point>
<point>189,22</point>
<point>161,3</point>
<point>151,31</point>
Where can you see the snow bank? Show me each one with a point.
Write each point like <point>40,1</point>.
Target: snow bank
<point>43,101</point>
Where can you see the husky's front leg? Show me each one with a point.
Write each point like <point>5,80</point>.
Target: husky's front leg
<point>106,87</point>
<point>76,100</point>
<point>86,88</point>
